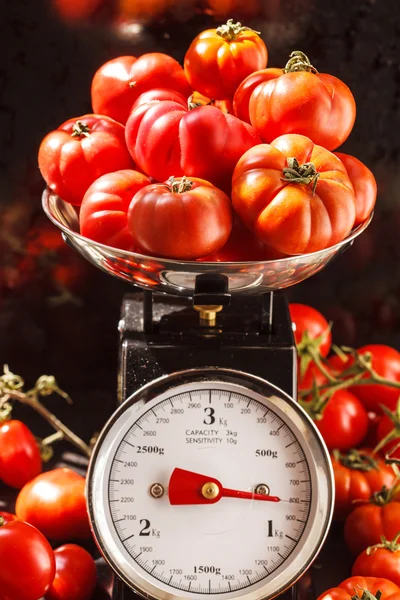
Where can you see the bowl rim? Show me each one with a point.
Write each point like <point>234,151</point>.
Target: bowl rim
<point>48,194</point>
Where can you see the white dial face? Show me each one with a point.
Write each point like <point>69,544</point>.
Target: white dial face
<point>236,496</point>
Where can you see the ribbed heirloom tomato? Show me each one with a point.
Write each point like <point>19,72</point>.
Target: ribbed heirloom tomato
<point>103,214</point>
<point>166,137</point>
<point>244,91</point>
<point>358,474</point>
<point>359,587</point>
<point>79,151</point>
<point>242,245</point>
<point>364,185</point>
<point>20,459</point>
<point>219,59</point>
<point>119,82</point>
<point>182,219</point>
<point>294,195</point>
<point>301,100</point>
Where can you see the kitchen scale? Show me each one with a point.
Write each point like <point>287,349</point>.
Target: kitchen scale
<point>209,481</point>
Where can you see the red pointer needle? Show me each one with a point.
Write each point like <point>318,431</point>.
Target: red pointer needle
<point>186,487</point>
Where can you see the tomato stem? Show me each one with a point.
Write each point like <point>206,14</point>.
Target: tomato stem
<point>11,388</point>
<point>180,186</point>
<point>366,595</point>
<point>392,545</point>
<point>298,61</point>
<point>80,130</point>
<point>296,173</point>
<point>356,460</point>
<point>2,521</point>
<point>395,432</point>
<point>230,30</point>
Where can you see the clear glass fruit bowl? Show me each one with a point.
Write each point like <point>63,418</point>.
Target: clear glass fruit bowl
<point>178,277</point>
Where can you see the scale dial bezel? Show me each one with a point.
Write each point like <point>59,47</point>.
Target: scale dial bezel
<point>311,442</point>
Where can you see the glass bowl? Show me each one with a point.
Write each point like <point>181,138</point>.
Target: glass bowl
<point>178,277</point>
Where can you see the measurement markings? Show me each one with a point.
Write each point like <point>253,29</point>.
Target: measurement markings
<point>248,579</point>
<point>280,427</point>
<point>290,538</point>
<point>282,557</point>
<point>137,425</point>
<point>117,460</point>
<point>153,569</point>
<point>126,442</point>
<point>300,521</point>
<point>248,404</point>
<point>128,538</point>
<point>209,586</point>
<point>170,579</point>
<point>190,583</point>
<point>118,520</point>
<point>170,401</point>
<point>300,461</point>
<point>137,556</point>
<point>209,400</point>
<point>155,414</point>
<point>291,443</point>
<point>265,569</point>
<point>230,587</point>
<point>115,480</point>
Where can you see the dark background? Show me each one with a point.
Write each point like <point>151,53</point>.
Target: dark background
<point>58,314</point>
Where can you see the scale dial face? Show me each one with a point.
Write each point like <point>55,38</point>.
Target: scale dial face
<point>211,483</point>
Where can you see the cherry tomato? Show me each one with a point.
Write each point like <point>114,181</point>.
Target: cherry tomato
<point>381,560</point>
<point>358,474</point>
<point>302,101</point>
<point>119,82</point>
<point>20,459</point>
<point>344,421</point>
<point>310,322</point>
<point>295,196</point>
<point>198,217</point>
<point>243,93</point>
<point>219,59</point>
<point>27,562</point>
<point>54,502</point>
<point>75,577</point>
<point>82,149</point>
<point>103,214</point>
<point>166,138</point>
<point>354,587</point>
<point>390,425</point>
<point>242,245</point>
<point>364,184</point>
<point>367,523</point>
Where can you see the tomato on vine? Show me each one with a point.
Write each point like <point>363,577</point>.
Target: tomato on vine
<point>27,562</point>
<point>20,459</point>
<point>358,474</point>
<point>312,334</point>
<point>75,577</point>
<point>378,517</point>
<point>380,560</point>
<point>365,588</point>
<point>219,59</point>
<point>54,502</point>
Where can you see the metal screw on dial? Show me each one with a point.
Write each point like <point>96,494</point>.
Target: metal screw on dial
<point>210,490</point>
<point>262,488</point>
<point>157,490</point>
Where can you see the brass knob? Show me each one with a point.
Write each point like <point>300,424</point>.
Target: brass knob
<point>210,490</point>
<point>208,314</point>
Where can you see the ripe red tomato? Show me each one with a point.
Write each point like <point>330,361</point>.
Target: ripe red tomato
<point>382,560</point>
<point>27,562</point>
<point>367,523</point>
<point>82,149</point>
<point>77,10</point>
<point>364,185</point>
<point>344,421</point>
<point>358,474</point>
<point>386,362</point>
<point>294,195</point>
<point>313,104</point>
<point>54,502</point>
<point>164,138</point>
<point>219,59</point>
<point>243,93</point>
<point>242,245</point>
<point>75,577</point>
<point>199,218</point>
<point>20,459</point>
<point>354,587</point>
<point>119,82</point>
<point>158,95</point>
<point>103,214</point>
<point>309,321</point>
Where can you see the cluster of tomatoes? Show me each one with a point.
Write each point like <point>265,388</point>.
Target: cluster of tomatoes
<point>222,159</point>
<point>50,507</point>
<point>361,428</point>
